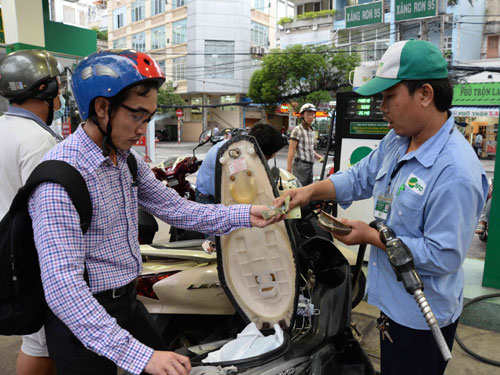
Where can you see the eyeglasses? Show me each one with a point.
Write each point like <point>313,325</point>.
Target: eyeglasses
<point>139,115</point>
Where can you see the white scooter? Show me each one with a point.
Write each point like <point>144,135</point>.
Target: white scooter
<point>180,287</point>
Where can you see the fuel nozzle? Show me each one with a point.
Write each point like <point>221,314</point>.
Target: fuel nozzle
<point>400,257</point>
<point>401,260</point>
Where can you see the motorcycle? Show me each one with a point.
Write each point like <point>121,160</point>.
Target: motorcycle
<point>180,289</point>
<point>282,282</point>
<point>219,137</point>
<point>179,285</point>
<point>173,172</point>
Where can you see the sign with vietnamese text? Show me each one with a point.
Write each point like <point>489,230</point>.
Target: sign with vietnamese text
<point>473,112</point>
<point>366,14</point>
<point>369,128</point>
<point>318,114</point>
<point>481,93</point>
<point>410,9</point>
<point>282,108</point>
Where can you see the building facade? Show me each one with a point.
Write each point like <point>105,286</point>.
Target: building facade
<point>31,24</point>
<point>296,28</point>
<point>368,27</point>
<point>208,50</point>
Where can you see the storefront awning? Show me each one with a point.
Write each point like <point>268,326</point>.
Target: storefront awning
<point>474,111</point>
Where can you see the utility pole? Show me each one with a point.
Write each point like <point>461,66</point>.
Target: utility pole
<point>204,113</point>
<point>424,35</point>
<point>392,27</point>
<point>441,32</point>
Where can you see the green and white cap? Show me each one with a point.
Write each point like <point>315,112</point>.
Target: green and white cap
<point>404,61</point>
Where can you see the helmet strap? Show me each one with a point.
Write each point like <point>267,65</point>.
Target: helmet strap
<point>107,143</point>
<point>50,116</point>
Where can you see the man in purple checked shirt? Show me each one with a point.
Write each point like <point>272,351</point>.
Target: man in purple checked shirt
<point>95,321</point>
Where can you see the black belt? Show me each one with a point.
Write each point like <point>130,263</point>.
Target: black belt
<point>114,293</point>
<point>303,161</point>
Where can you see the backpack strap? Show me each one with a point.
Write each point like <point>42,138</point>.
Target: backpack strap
<point>64,174</point>
<point>132,166</point>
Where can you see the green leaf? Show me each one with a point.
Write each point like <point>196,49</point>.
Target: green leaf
<point>301,73</point>
<point>166,96</point>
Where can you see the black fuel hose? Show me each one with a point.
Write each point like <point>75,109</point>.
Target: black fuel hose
<point>464,347</point>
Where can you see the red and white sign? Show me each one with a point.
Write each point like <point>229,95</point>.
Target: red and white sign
<point>141,141</point>
<point>179,112</point>
<point>66,129</point>
<point>318,114</point>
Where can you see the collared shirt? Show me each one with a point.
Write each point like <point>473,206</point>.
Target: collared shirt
<point>21,112</point>
<point>438,195</point>
<point>22,146</point>
<point>109,250</point>
<point>205,180</point>
<point>305,147</point>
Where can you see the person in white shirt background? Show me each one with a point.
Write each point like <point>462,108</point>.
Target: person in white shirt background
<point>29,79</point>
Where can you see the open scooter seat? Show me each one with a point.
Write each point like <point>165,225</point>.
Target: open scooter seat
<point>257,267</point>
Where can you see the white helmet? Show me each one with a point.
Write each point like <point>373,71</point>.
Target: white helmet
<point>308,107</point>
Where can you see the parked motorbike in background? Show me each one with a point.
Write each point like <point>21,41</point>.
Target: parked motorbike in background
<point>216,138</point>
<point>173,172</point>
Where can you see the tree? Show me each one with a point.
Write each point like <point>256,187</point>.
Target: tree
<point>168,101</point>
<point>101,34</point>
<point>301,73</point>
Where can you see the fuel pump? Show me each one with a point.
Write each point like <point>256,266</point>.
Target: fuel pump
<point>401,260</point>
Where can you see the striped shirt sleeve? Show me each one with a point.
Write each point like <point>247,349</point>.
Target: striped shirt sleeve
<point>167,205</point>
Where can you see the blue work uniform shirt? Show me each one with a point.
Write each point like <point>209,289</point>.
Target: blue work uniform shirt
<point>437,198</point>
<point>205,180</point>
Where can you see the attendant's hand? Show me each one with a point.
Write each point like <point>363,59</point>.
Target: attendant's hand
<point>361,233</point>
<point>258,221</point>
<point>168,363</point>
<point>298,197</point>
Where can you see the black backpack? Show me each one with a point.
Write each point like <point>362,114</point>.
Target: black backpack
<point>22,300</point>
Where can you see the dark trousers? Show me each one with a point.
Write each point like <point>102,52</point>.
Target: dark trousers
<point>303,171</point>
<point>413,351</point>
<point>72,358</point>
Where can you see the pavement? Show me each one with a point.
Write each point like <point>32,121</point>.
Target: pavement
<point>479,326</point>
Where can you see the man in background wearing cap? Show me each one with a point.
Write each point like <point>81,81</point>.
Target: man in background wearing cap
<point>436,188</point>
<point>301,148</point>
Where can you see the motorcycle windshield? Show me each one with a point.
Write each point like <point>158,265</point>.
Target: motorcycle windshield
<point>257,267</point>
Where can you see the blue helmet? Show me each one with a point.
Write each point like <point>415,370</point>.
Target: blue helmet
<point>106,73</point>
